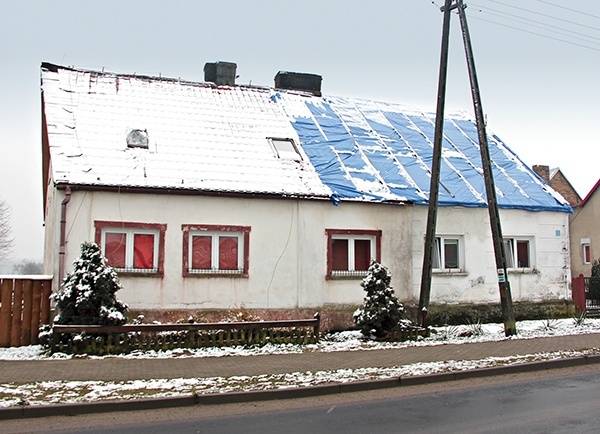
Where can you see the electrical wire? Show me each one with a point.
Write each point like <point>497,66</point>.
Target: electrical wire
<point>569,9</point>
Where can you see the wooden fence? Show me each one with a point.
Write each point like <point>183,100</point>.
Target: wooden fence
<point>24,306</point>
<point>99,340</point>
<point>586,294</point>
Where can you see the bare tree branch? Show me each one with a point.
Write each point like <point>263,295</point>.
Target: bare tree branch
<point>7,242</point>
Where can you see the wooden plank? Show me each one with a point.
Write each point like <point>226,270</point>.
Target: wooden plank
<point>5,311</point>
<point>27,305</point>
<point>17,314</point>
<point>36,307</point>
<point>46,293</point>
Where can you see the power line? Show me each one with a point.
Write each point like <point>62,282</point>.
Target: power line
<point>517,18</point>
<point>545,15</point>
<point>569,9</point>
<point>535,33</point>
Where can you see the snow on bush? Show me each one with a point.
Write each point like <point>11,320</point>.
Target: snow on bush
<point>87,296</point>
<point>381,312</point>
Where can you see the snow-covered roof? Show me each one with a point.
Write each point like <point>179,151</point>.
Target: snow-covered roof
<point>208,138</point>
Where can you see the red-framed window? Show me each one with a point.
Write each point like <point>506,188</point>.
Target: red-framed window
<point>131,247</point>
<point>215,250</point>
<point>587,254</point>
<point>350,251</point>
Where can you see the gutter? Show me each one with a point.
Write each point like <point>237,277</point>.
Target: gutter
<point>63,235</point>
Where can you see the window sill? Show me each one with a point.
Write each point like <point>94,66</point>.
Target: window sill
<point>209,274</point>
<point>346,275</point>
<point>450,273</point>
<point>522,271</point>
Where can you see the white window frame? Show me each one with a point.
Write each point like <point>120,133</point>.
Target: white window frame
<point>439,254</point>
<point>285,148</point>
<point>585,242</point>
<point>215,252</point>
<point>351,254</point>
<point>513,241</point>
<point>129,250</point>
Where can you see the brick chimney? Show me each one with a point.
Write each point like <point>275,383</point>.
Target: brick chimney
<point>220,73</point>
<point>543,172</point>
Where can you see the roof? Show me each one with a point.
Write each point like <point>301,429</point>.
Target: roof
<point>208,138</point>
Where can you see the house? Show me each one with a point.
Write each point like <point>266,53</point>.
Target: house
<point>213,195</point>
<point>585,233</point>
<point>559,182</point>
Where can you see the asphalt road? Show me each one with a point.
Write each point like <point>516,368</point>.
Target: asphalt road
<point>561,401</point>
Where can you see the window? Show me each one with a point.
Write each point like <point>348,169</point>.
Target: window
<point>447,253</point>
<point>285,149</point>
<point>215,250</point>
<point>518,252</point>
<point>135,248</point>
<point>585,248</point>
<point>349,252</point>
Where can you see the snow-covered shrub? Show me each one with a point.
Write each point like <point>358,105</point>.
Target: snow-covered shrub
<point>381,312</point>
<point>87,296</point>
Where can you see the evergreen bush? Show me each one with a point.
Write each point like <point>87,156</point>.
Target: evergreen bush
<point>87,296</point>
<point>381,313</point>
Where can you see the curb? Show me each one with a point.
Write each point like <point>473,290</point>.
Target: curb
<point>31,411</point>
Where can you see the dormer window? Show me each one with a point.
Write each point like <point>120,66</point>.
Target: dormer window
<point>285,149</point>
<point>137,139</point>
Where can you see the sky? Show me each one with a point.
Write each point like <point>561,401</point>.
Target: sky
<point>537,64</point>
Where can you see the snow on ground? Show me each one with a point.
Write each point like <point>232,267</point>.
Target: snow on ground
<point>52,392</point>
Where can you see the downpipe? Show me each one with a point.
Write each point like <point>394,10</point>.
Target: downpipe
<point>62,250</point>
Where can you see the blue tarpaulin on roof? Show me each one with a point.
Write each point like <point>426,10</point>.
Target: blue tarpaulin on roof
<point>364,150</point>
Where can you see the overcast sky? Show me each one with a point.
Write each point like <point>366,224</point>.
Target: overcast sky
<point>537,63</point>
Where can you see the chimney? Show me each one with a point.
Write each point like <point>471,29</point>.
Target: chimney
<point>220,73</point>
<point>299,81</point>
<point>543,172</point>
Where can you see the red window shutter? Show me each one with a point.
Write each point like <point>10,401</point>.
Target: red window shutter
<point>228,253</point>
<point>586,254</point>
<point>115,248</point>
<point>143,251</point>
<point>523,254</point>
<point>202,252</point>
<point>362,255</point>
<point>339,254</point>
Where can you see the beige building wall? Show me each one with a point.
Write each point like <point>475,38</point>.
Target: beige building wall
<point>585,228</point>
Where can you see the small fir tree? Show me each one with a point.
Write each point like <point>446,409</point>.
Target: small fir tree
<point>381,312</point>
<point>87,296</point>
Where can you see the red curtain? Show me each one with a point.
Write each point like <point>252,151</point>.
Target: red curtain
<point>228,253</point>
<point>339,254</point>
<point>362,254</point>
<point>201,252</point>
<point>143,251</point>
<point>114,249</point>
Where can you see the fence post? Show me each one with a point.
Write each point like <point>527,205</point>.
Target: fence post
<point>5,310</point>
<point>578,292</point>
<point>15,331</point>
<point>318,325</point>
<point>35,311</point>
<point>27,305</point>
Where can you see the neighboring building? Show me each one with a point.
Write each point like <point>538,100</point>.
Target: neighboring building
<point>213,195</point>
<point>585,233</point>
<point>559,182</point>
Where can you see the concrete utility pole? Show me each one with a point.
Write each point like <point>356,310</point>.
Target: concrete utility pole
<point>508,314</point>
<point>435,171</point>
<point>505,294</point>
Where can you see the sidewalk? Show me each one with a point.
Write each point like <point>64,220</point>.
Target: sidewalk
<point>120,369</point>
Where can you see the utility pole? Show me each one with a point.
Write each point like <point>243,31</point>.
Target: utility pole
<point>508,315</point>
<point>435,170</point>
<point>500,258</point>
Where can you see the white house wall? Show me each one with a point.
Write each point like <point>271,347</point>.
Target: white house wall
<point>288,247</point>
<point>547,280</point>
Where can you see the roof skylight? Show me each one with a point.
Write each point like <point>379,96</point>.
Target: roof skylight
<point>285,149</point>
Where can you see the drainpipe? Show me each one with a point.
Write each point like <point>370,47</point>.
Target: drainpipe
<point>63,235</point>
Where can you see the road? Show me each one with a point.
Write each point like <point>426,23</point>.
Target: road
<point>561,401</point>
